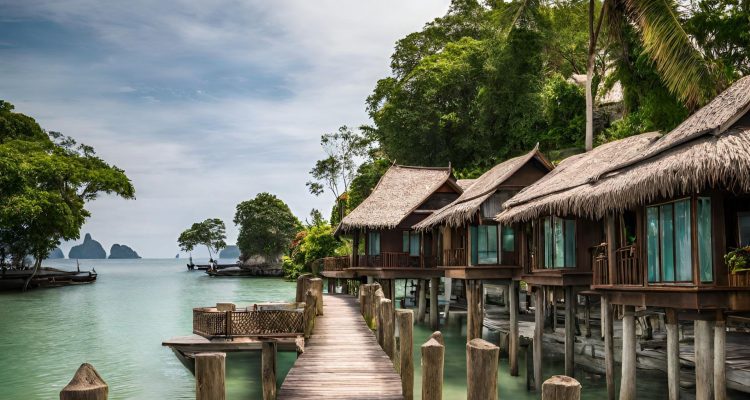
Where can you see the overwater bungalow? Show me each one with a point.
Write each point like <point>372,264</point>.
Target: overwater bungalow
<point>403,197</point>
<point>646,222</point>
<point>476,249</point>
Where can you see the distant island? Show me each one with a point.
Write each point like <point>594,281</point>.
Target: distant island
<point>89,249</point>
<point>122,252</point>
<point>56,253</point>
<point>230,252</point>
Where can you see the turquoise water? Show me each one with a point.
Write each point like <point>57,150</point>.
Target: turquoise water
<point>118,324</point>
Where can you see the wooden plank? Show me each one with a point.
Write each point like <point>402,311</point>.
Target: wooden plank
<point>342,359</point>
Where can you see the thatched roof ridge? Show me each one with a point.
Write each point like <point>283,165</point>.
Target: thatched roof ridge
<point>465,183</point>
<point>463,208</point>
<point>399,192</point>
<point>708,161</point>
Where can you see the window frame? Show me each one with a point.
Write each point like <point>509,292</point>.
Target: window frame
<point>549,251</point>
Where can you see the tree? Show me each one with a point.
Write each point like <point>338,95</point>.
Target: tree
<point>46,179</point>
<point>336,171</point>
<point>267,226</point>
<point>210,233</point>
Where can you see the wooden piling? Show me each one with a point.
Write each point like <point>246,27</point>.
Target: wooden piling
<point>209,376</point>
<point>587,317</point>
<point>673,354</point>
<point>438,336</point>
<point>405,321</point>
<point>560,387</point>
<point>704,359</point>
<point>302,287</point>
<point>268,368</point>
<point>309,313</point>
<point>433,354</point>
<point>513,331</point>
<point>530,385</point>
<point>422,300</point>
<point>86,384</point>
<point>474,317</point>
<point>609,346</point>
<point>627,382</point>
<point>481,370</point>
<point>316,284</point>
<point>538,338</point>
<point>434,316</point>
<point>570,330</point>
<point>720,358</point>
<point>389,339</point>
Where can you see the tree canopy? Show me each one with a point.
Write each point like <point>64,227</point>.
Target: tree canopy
<point>266,226</point>
<point>210,233</point>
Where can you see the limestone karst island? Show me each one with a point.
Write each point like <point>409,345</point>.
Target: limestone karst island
<point>398,200</point>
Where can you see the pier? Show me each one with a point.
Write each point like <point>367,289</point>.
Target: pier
<point>342,359</point>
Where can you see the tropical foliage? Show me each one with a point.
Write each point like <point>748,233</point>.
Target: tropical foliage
<point>266,226</point>
<point>210,233</point>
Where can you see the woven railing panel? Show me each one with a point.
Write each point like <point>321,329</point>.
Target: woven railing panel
<point>247,323</point>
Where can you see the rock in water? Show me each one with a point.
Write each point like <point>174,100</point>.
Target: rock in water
<point>230,252</point>
<point>122,251</point>
<point>89,249</point>
<point>55,254</point>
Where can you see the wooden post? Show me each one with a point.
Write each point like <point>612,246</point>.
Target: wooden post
<point>560,387</point>
<point>513,331</point>
<point>302,287</point>
<point>704,360</point>
<point>720,358</point>
<point>433,354</point>
<point>331,285</point>
<point>86,384</point>
<point>481,370</point>
<point>570,330</point>
<point>316,284</point>
<point>422,300</point>
<point>474,311</point>
<point>530,366</point>
<point>268,368</point>
<point>405,320</point>
<point>538,337</point>
<point>209,376</point>
<point>438,336</point>
<point>434,317</point>
<point>392,284</point>
<point>611,234</point>
<point>609,346</point>
<point>309,313</point>
<point>587,316</point>
<point>673,354</point>
<point>379,295</point>
<point>627,382</point>
<point>389,339</point>
<point>361,297</point>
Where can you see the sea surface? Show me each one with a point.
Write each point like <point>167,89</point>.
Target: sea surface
<point>118,323</point>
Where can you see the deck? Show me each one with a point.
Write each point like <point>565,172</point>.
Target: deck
<point>342,359</point>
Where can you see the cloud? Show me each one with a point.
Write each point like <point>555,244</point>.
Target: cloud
<point>204,104</point>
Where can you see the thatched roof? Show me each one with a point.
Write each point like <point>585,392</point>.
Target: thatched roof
<point>463,208</point>
<point>399,192</point>
<point>465,183</point>
<point>709,149</point>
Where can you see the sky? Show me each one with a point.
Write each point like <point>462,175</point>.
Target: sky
<point>204,104</point>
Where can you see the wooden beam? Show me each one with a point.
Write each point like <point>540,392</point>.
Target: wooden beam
<point>627,381</point>
<point>609,346</point>
<point>434,317</point>
<point>538,338</point>
<point>570,330</point>
<point>673,354</point>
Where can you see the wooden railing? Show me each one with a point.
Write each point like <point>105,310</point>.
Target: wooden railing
<point>390,260</point>
<point>262,320</point>
<point>454,257</point>
<point>739,279</point>
<point>336,263</point>
<point>627,268</point>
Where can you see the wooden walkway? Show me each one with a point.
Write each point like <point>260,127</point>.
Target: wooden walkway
<point>342,359</point>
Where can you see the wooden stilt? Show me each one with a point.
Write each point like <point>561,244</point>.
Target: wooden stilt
<point>268,362</point>
<point>538,337</point>
<point>609,346</point>
<point>673,355</point>
<point>392,284</point>
<point>570,330</point>
<point>513,346</point>
<point>553,292</point>
<point>422,300</point>
<point>560,387</point>
<point>720,357</point>
<point>474,312</point>
<point>209,376</point>
<point>434,317</point>
<point>433,354</point>
<point>405,321</point>
<point>530,366</point>
<point>704,359</point>
<point>481,370</point>
<point>627,382</point>
<point>587,317</point>
<point>386,317</point>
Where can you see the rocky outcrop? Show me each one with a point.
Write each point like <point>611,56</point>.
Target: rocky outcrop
<point>55,254</point>
<point>230,252</point>
<point>89,249</point>
<point>122,252</point>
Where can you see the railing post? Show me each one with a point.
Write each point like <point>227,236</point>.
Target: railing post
<point>481,370</point>
<point>433,354</point>
<point>561,387</point>
<point>228,323</point>
<point>309,313</point>
<point>386,317</point>
<point>316,284</point>
<point>209,376</point>
<point>405,320</point>
<point>85,385</point>
<point>268,363</point>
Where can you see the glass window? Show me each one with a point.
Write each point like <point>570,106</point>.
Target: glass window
<point>669,242</point>
<point>559,243</point>
<point>705,244</point>
<point>474,247</point>
<point>414,244</point>
<point>509,239</point>
<point>485,251</point>
<point>405,241</point>
<point>743,221</point>
<point>373,243</point>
